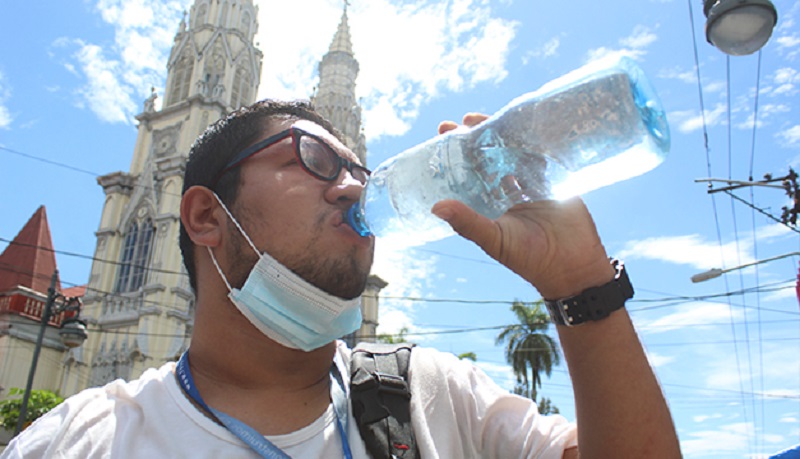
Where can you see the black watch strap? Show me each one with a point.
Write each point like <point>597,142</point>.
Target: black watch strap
<point>595,303</point>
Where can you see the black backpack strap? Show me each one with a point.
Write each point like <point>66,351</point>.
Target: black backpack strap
<point>381,399</point>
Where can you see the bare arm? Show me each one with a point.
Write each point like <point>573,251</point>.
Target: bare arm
<point>621,411</point>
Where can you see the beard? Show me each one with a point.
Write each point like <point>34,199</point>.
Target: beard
<point>343,275</point>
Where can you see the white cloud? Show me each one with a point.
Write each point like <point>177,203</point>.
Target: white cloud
<point>765,113</point>
<point>5,93</point>
<point>688,250</point>
<point>658,360</point>
<point>119,76</point>
<point>785,81</point>
<point>773,231</point>
<point>789,419</point>
<point>731,438</point>
<point>548,49</point>
<point>408,274</point>
<point>790,136</point>
<point>690,120</point>
<point>500,373</point>
<point>677,73</point>
<point>706,417</point>
<point>445,46</point>
<point>106,95</point>
<point>692,314</point>
<point>785,34</point>
<point>633,46</point>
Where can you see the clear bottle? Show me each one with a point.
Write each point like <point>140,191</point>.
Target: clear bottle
<point>595,126</point>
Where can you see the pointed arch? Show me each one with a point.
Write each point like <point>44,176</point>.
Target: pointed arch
<point>201,14</point>
<point>214,69</point>
<point>242,82</point>
<point>181,76</point>
<point>135,256</point>
<point>246,22</point>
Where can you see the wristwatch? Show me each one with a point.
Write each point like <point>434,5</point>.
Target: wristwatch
<point>594,303</point>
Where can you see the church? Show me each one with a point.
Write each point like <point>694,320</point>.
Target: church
<point>138,304</point>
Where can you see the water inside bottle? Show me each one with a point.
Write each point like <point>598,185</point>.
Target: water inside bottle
<point>594,132</point>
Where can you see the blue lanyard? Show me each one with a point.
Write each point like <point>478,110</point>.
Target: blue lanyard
<point>250,436</point>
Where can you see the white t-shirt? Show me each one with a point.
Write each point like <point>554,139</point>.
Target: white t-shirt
<point>457,412</point>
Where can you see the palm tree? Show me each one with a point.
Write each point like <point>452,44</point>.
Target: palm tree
<point>529,350</point>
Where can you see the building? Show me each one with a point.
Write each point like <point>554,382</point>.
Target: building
<point>27,272</point>
<point>138,302</point>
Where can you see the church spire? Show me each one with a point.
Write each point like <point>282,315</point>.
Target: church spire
<point>336,97</point>
<point>341,41</point>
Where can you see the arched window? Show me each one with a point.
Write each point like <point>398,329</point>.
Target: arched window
<point>244,25</point>
<point>181,77</point>
<point>202,12</point>
<point>215,70</point>
<point>242,82</point>
<point>135,257</point>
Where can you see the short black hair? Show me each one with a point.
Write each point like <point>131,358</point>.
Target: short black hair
<point>222,140</point>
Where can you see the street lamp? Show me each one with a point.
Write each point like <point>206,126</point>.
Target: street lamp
<point>739,27</point>
<point>716,272</point>
<point>72,333</point>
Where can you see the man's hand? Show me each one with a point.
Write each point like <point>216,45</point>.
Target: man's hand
<point>620,409</point>
<point>553,245</point>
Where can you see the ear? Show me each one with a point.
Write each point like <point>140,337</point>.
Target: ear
<point>202,216</point>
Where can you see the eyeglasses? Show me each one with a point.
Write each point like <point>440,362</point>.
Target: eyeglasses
<point>315,155</point>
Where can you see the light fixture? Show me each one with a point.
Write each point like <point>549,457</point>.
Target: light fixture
<point>716,272</point>
<point>739,27</point>
<point>73,332</point>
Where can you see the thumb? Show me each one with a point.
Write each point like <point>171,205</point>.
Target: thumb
<point>469,224</point>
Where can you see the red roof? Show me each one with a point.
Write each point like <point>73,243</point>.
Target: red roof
<point>78,291</point>
<point>29,260</point>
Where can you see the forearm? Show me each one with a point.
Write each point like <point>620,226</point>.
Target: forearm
<point>621,411</point>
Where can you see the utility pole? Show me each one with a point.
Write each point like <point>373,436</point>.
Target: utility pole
<point>51,297</point>
<point>787,183</point>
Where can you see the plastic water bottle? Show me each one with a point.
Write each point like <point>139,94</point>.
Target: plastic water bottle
<point>595,126</point>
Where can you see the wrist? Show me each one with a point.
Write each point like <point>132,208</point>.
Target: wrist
<point>575,280</point>
<point>594,303</point>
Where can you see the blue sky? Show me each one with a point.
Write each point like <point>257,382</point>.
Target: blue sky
<point>74,74</point>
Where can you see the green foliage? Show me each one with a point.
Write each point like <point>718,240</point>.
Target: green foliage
<point>529,349</point>
<point>546,407</point>
<point>393,339</point>
<point>468,356</point>
<point>39,403</point>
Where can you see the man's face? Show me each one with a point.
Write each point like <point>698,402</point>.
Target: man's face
<point>297,218</point>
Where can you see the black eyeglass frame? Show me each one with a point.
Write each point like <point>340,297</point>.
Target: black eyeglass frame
<point>296,134</point>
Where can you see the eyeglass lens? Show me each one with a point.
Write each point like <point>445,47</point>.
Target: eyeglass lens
<point>320,159</point>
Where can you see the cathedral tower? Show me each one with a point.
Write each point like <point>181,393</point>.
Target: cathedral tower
<point>138,299</point>
<point>335,98</point>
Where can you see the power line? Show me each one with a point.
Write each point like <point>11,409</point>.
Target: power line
<point>77,169</point>
<point>92,258</point>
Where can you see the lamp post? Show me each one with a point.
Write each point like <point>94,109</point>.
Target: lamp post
<point>739,27</point>
<point>72,333</point>
<point>716,272</point>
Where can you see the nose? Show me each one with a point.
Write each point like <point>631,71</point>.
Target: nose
<point>345,190</point>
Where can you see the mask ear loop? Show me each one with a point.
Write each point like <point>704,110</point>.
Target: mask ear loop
<point>239,227</point>
<point>219,270</point>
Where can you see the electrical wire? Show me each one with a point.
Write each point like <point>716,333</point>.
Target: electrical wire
<point>713,200</point>
<point>77,169</point>
<point>746,327</point>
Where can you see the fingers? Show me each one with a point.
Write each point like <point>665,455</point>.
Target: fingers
<point>472,119</point>
<point>469,224</point>
<point>446,126</point>
<point>469,120</point>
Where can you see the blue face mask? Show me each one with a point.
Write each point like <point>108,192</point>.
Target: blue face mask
<point>287,308</point>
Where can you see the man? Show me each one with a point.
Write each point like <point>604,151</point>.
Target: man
<point>277,274</point>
